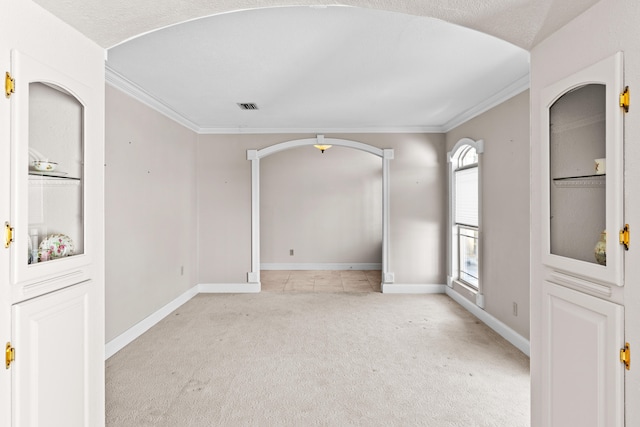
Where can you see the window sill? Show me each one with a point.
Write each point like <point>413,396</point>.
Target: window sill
<point>464,285</point>
<point>468,292</point>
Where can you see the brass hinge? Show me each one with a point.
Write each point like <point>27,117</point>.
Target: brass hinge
<point>624,236</point>
<point>9,85</point>
<point>9,355</point>
<point>8,234</point>
<point>625,356</point>
<point>624,99</point>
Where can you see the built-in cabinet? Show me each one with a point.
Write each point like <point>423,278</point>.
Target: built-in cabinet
<point>49,179</point>
<point>583,257</point>
<point>51,376</point>
<point>56,350</point>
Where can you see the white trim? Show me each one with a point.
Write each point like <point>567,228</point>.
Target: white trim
<point>503,330</point>
<point>478,145</point>
<point>452,236</point>
<point>122,340</point>
<point>321,140</point>
<point>285,130</point>
<point>399,288</point>
<point>568,280</point>
<point>119,342</point>
<point>120,82</point>
<point>322,266</point>
<point>254,275</point>
<point>229,288</point>
<point>387,275</point>
<point>480,300</point>
<point>496,99</point>
<point>254,156</point>
<point>128,336</point>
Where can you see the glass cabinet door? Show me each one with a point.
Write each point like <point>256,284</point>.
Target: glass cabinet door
<point>48,178</point>
<point>577,155</point>
<point>55,171</point>
<point>583,176</point>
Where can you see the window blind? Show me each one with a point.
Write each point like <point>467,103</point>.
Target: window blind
<point>466,196</point>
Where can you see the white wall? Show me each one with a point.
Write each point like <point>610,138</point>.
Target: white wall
<point>505,208</point>
<point>327,207</point>
<point>150,211</point>
<point>609,26</point>
<point>418,189</point>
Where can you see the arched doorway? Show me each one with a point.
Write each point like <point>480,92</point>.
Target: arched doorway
<point>255,155</point>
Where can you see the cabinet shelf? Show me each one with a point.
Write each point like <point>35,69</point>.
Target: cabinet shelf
<point>583,181</point>
<point>51,175</point>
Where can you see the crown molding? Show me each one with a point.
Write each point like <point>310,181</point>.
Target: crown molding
<point>315,130</point>
<point>120,82</point>
<point>498,98</point>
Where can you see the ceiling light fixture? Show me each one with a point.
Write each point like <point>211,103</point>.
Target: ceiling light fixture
<point>321,145</point>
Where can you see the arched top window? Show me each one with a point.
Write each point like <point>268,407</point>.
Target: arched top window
<point>467,156</point>
<point>465,153</point>
<point>465,215</point>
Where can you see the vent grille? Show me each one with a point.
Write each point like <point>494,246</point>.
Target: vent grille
<point>247,106</point>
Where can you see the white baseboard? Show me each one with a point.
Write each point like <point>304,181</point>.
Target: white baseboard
<point>121,341</point>
<point>229,288</point>
<point>118,343</point>
<point>322,266</point>
<point>399,288</point>
<point>503,330</point>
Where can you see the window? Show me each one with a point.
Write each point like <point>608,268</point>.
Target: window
<point>465,244</point>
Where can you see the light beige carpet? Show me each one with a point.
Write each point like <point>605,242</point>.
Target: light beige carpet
<point>319,359</point>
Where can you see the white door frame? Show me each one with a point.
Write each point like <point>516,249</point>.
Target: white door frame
<point>255,155</point>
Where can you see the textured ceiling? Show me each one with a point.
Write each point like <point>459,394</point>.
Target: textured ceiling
<point>521,22</point>
<point>318,69</point>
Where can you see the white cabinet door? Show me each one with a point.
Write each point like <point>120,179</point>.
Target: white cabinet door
<point>582,173</point>
<point>51,335</point>
<point>582,376</point>
<point>50,119</point>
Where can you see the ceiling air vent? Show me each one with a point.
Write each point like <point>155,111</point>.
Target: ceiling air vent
<point>247,106</point>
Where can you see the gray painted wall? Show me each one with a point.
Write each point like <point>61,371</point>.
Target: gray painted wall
<point>150,211</point>
<point>327,207</point>
<point>166,213</point>
<point>505,208</point>
<point>418,188</point>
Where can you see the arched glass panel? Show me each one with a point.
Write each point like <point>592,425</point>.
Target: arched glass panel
<point>55,204</point>
<point>577,151</point>
<point>468,156</point>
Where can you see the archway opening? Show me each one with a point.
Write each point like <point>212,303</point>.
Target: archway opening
<point>254,156</point>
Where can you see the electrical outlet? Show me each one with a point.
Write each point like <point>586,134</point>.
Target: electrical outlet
<point>515,309</point>
<point>182,270</point>
<point>291,252</point>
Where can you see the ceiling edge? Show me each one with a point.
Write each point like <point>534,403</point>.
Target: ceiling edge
<point>390,129</point>
<point>498,98</point>
<point>120,82</point>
